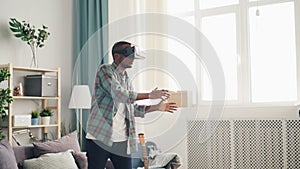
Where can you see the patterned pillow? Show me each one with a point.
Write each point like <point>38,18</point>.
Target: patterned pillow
<point>62,160</point>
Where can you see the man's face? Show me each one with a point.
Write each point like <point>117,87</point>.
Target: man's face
<point>126,62</point>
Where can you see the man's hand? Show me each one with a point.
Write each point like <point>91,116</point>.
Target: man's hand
<point>162,106</point>
<point>169,107</point>
<point>159,94</point>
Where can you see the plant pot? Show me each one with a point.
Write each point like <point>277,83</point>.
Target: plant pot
<point>46,120</point>
<point>34,121</point>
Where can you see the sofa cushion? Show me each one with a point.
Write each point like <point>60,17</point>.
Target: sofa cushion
<point>7,160</point>
<point>62,144</point>
<point>60,160</point>
<point>81,159</point>
<point>23,153</point>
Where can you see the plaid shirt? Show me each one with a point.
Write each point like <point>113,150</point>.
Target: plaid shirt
<point>109,90</point>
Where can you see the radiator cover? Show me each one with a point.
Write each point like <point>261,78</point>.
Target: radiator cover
<point>219,144</point>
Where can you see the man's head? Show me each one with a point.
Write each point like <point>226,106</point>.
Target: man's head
<point>123,54</point>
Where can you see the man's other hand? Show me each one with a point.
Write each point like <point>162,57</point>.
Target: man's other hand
<point>159,94</point>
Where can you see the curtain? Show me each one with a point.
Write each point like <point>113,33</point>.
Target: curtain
<point>90,44</point>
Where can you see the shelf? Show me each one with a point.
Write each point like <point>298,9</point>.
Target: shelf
<point>18,68</point>
<point>34,97</point>
<point>50,102</point>
<point>35,126</point>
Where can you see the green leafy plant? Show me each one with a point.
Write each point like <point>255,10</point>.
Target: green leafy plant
<point>46,112</point>
<point>5,97</point>
<point>28,32</point>
<point>34,114</point>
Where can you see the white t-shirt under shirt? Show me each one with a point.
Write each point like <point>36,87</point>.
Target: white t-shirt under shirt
<point>118,127</point>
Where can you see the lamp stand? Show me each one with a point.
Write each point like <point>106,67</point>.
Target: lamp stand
<point>80,128</point>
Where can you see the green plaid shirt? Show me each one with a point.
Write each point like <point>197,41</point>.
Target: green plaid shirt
<point>109,90</point>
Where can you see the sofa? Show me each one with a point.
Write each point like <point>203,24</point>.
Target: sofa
<point>61,153</point>
<point>57,154</point>
<point>27,152</point>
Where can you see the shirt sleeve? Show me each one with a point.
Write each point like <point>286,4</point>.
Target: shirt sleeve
<point>112,86</point>
<point>139,110</point>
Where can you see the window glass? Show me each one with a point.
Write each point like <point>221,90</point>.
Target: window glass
<point>220,30</point>
<point>272,52</point>
<point>204,4</point>
<point>175,6</point>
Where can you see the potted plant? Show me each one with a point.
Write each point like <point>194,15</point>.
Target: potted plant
<point>5,98</point>
<point>46,114</point>
<point>28,33</point>
<point>34,117</point>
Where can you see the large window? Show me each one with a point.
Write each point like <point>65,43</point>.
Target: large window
<point>255,41</point>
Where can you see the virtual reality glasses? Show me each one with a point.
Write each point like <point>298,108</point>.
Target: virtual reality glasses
<point>132,51</point>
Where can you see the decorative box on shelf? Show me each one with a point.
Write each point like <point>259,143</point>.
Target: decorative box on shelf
<point>22,120</point>
<point>40,85</point>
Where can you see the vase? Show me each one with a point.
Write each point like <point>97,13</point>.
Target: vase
<point>46,120</point>
<point>34,61</point>
<point>34,121</point>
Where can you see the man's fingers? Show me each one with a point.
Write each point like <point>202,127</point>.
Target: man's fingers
<point>155,89</point>
<point>173,104</point>
<point>171,107</point>
<point>166,94</point>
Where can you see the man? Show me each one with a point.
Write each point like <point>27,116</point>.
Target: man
<point>111,125</point>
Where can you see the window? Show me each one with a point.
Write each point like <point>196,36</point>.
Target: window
<point>255,41</point>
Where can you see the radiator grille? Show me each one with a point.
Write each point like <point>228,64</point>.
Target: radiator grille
<point>215,147</point>
<point>243,144</point>
<point>258,144</point>
<point>293,144</point>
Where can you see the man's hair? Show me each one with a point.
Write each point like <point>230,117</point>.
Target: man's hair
<point>118,46</point>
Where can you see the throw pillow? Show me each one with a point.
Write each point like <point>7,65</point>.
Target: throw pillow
<point>62,144</point>
<point>7,155</point>
<point>60,160</point>
<point>81,159</point>
<point>65,143</point>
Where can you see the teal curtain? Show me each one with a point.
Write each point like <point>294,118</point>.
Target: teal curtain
<point>90,44</point>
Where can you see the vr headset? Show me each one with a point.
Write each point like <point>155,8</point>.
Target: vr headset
<point>132,51</point>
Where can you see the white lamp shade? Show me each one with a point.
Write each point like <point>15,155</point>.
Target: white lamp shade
<point>80,98</point>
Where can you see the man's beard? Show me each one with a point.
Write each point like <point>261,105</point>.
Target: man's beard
<point>125,65</point>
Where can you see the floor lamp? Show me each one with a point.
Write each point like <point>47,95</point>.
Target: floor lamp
<point>80,99</point>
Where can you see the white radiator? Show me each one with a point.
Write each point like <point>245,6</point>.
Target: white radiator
<point>243,144</point>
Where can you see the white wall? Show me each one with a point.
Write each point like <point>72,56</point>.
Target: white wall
<point>57,52</point>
